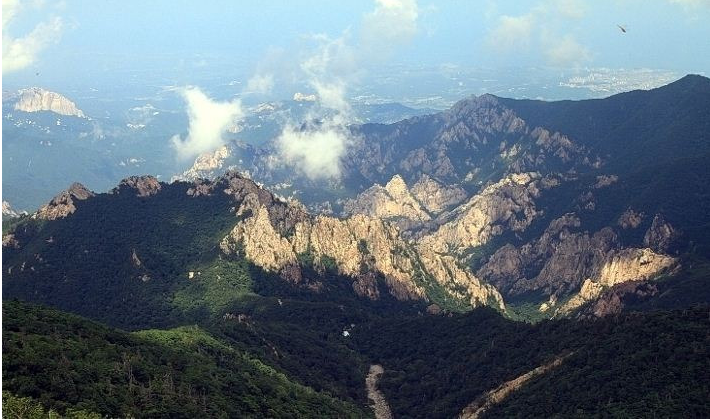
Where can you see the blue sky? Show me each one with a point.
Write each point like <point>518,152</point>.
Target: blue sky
<point>78,39</point>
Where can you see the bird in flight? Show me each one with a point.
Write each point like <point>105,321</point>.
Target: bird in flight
<point>622,28</point>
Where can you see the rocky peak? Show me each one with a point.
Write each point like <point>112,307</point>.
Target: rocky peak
<point>206,165</point>
<point>64,203</point>
<point>393,201</point>
<point>660,235</point>
<point>506,204</point>
<point>486,113</point>
<point>143,186</point>
<point>396,187</point>
<point>36,99</point>
<point>630,219</point>
<point>436,196</point>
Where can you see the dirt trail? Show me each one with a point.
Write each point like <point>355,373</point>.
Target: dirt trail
<point>493,397</point>
<point>382,409</point>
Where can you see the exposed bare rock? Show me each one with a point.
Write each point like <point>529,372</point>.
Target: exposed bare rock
<point>200,187</point>
<point>37,99</point>
<point>560,145</point>
<point>434,309</point>
<point>613,300</point>
<point>624,266</point>
<point>64,203</point>
<point>605,181</point>
<point>630,219</point>
<point>135,261</point>
<point>9,212</point>
<point>393,201</point>
<point>143,186</point>
<point>273,234</point>
<point>206,166</point>
<point>9,241</point>
<point>260,241</point>
<point>507,204</point>
<point>447,272</point>
<point>435,196</point>
<point>562,261</point>
<point>660,235</point>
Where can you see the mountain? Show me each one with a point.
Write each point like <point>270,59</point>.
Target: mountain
<point>37,99</point>
<point>494,259</point>
<point>539,190</point>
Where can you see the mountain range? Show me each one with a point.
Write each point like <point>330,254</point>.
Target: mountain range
<point>480,261</point>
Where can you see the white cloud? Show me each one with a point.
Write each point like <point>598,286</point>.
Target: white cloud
<point>20,53</point>
<point>391,24</point>
<point>565,51</point>
<point>511,32</point>
<point>316,151</point>
<point>208,122</point>
<point>534,32</point>
<point>260,83</point>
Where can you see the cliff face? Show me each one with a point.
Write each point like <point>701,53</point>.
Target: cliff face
<point>566,261</point>
<point>277,236</point>
<point>394,200</point>
<point>508,204</point>
<point>37,99</point>
<point>436,196</point>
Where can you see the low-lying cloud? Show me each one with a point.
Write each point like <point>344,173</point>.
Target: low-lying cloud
<point>317,149</point>
<point>21,52</point>
<point>208,121</point>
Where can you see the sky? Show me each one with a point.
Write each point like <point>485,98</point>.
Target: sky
<point>73,40</point>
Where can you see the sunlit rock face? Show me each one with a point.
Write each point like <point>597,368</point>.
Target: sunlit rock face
<point>37,99</point>
<point>276,236</point>
<point>64,203</point>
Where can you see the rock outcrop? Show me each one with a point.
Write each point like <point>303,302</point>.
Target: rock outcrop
<point>37,99</point>
<point>278,236</point>
<point>565,261</point>
<point>392,202</point>
<point>64,203</point>
<point>623,266</point>
<point>9,212</point>
<point>630,219</point>
<point>508,204</point>
<point>436,196</point>
<point>141,186</point>
<point>206,166</point>
<point>661,235</point>
<point>615,299</point>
